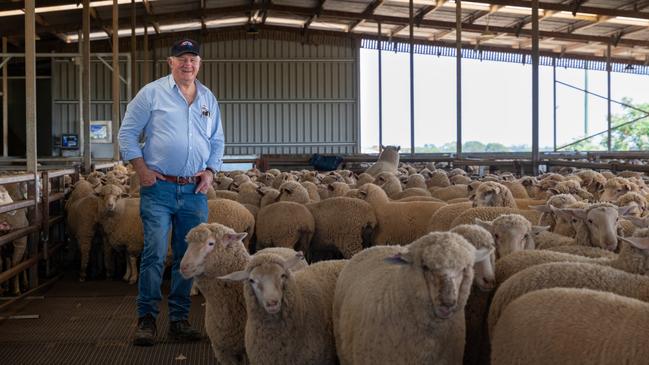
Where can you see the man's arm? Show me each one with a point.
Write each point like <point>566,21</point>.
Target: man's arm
<point>136,117</point>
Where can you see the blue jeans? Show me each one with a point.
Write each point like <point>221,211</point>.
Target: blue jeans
<point>163,205</point>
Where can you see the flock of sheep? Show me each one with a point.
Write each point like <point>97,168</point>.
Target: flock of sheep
<point>404,265</point>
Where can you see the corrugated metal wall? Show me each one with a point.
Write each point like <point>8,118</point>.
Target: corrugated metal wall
<point>277,94</point>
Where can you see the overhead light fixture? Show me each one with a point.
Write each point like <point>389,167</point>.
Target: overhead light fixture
<point>214,23</point>
<point>629,21</point>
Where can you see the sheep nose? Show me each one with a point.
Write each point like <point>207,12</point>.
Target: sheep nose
<point>271,302</point>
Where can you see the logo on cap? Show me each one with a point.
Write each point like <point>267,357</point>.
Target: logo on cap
<point>186,43</point>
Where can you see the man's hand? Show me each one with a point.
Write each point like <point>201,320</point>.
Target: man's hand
<point>205,182</point>
<point>147,176</point>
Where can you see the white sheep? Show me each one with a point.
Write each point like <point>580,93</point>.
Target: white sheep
<point>572,326</point>
<point>397,222</point>
<point>289,314</point>
<point>388,161</point>
<point>511,233</point>
<point>397,305</point>
<point>285,224</point>
<point>493,194</point>
<point>215,250</point>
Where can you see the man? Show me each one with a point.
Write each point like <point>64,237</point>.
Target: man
<point>183,148</point>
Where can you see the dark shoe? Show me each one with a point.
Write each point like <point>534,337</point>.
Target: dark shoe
<point>183,331</point>
<point>146,331</point>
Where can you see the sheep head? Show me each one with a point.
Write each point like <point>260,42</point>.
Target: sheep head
<point>266,275</point>
<point>481,239</point>
<point>511,233</point>
<point>444,261</point>
<point>109,194</point>
<point>493,194</point>
<point>203,240</point>
<point>5,198</point>
<point>614,189</point>
<point>600,220</point>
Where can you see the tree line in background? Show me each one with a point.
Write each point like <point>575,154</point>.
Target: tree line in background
<point>630,137</point>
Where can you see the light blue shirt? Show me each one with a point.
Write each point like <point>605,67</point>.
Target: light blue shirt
<point>179,139</point>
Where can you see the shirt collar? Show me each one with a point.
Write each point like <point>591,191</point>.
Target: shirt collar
<point>172,83</point>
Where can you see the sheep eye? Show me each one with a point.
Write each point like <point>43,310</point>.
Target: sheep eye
<point>526,236</point>
<point>251,281</point>
<point>211,243</point>
<point>590,221</point>
<point>496,236</point>
<point>284,276</point>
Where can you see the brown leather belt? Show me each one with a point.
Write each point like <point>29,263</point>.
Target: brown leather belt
<point>182,180</point>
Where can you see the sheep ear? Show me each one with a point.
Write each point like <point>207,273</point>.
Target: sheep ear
<point>330,187</point>
<point>235,276</point>
<point>638,222</point>
<point>483,254</point>
<point>624,210</point>
<point>232,238</point>
<point>484,224</point>
<point>554,191</point>
<point>538,229</point>
<point>545,208</point>
<point>641,243</point>
<point>290,263</point>
<point>402,258</point>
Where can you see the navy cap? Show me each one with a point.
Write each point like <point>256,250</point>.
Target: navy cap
<point>185,46</point>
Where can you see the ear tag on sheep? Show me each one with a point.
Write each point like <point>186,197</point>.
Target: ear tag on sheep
<point>397,259</point>
<point>235,276</point>
<point>641,243</point>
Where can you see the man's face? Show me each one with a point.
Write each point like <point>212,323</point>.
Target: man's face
<point>185,66</point>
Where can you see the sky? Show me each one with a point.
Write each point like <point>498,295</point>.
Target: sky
<point>497,101</point>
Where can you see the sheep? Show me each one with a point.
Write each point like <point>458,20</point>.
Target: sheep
<point>530,183</point>
<point>460,179</point>
<point>289,314</point>
<point>282,178</point>
<point>517,189</point>
<point>232,214</point>
<point>586,251</point>
<point>344,223</point>
<point>612,331</point>
<point>636,201</point>
<point>392,186</point>
<point>337,189</point>
<point>249,194</point>
<point>215,250</point>
<point>592,181</point>
<point>442,218</point>
<point>85,214</point>
<point>493,194</point>
<point>396,305</point>
<point>398,222</point>
<point>388,161</point>
<point>416,181</point>
<point>285,224</point>
<point>222,182</point>
<point>451,192</point>
<point>491,213</point>
<point>630,259</point>
<point>438,178</point>
<point>547,217</point>
<point>268,196</point>
<point>615,188</point>
<point>484,281</point>
<point>13,220</point>
<point>312,190</point>
<point>224,194</point>
<point>293,191</point>
<point>81,189</point>
<point>511,233</point>
<point>595,225</point>
<point>363,179</point>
